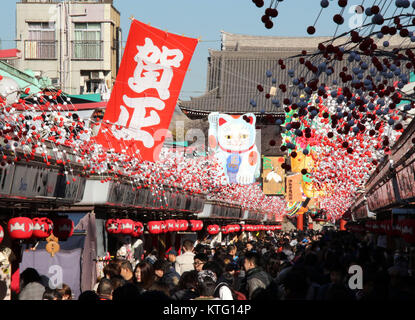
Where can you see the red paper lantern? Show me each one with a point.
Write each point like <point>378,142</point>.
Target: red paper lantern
<point>400,227</point>
<point>20,228</point>
<point>164,227</point>
<point>154,227</point>
<point>408,230</point>
<point>237,228</point>
<point>396,230</point>
<point>183,225</point>
<point>372,226</point>
<point>196,225</point>
<point>381,227</point>
<point>1,234</point>
<point>213,229</point>
<point>127,226</point>
<point>113,226</point>
<point>388,228</point>
<point>225,229</point>
<point>171,225</point>
<point>137,230</point>
<point>200,227</point>
<point>193,225</point>
<point>42,227</point>
<point>368,226</point>
<point>63,228</point>
<point>177,225</point>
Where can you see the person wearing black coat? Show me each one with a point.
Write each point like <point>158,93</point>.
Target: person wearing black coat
<point>256,279</point>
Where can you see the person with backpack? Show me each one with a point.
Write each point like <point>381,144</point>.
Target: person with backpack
<point>222,289</point>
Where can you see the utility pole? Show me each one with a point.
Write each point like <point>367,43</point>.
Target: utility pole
<point>68,45</point>
<point>64,61</point>
<point>59,25</point>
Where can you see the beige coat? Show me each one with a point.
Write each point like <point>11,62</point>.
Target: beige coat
<point>184,262</point>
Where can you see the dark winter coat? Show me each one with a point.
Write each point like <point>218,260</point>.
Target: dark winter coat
<point>171,278</point>
<point>255,280</point>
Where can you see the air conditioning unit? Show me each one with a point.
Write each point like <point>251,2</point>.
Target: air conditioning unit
<point>95,74</point>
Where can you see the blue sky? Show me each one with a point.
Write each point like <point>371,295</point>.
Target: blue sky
<point>205,19</point>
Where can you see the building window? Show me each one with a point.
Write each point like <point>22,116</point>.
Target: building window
<point>42,42</point>
<point>87,44</point>
<point>93,82</point>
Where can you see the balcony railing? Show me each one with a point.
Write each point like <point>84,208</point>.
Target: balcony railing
<point>87,50</point>
<point>55,1</point>
<point>40,49</point>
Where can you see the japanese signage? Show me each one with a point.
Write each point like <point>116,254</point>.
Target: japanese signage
<point>38,182</point>
<point>406,180</point>
<point>116,193</point>
<point>273,175</point>
<point>144,96</point>
<point>294,193</point>
<point>6,179</point>
<point>382,196</point>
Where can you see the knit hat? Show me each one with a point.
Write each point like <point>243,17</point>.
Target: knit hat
<point>172,251</point>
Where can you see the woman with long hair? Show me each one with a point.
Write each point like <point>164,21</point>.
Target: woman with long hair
<point>144,276</point>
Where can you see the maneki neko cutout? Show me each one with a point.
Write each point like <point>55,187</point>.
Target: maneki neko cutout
<point>232,142</point>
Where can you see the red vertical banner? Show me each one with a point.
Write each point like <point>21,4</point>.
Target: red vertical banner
<point>145,94</point>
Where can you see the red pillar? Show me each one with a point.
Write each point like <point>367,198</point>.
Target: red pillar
<point>300,218</point>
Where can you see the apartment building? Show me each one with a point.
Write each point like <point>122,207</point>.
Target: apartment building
<point>75,43</point>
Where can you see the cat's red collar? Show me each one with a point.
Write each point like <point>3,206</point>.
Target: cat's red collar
<point>241,151</point>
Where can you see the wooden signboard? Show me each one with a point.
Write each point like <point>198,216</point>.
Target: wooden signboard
<point>293,193</point>
<point>273,176</point>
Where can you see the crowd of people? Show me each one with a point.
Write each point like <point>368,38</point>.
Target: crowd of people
<point>286,266</point>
